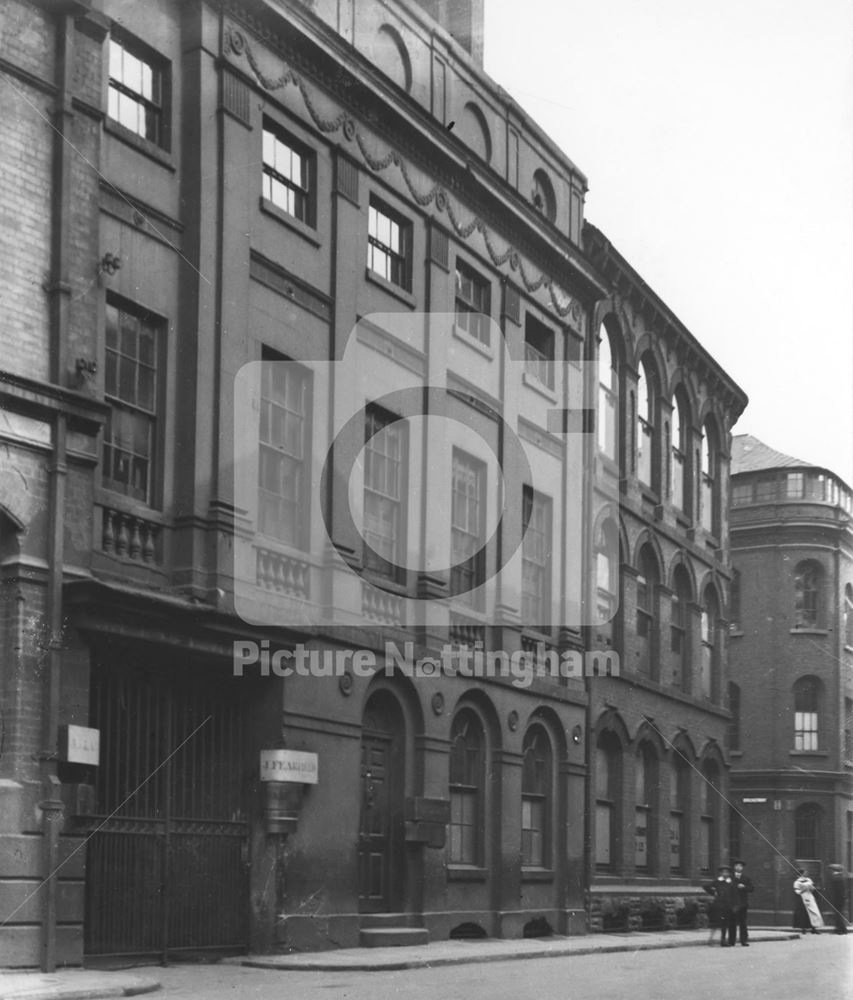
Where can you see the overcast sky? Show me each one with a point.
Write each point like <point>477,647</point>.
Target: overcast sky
<point>716,139</point>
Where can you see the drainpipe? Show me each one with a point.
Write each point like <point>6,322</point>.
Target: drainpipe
<point>59,297</point>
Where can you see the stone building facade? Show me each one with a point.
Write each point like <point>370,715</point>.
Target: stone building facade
<point>292,369</point>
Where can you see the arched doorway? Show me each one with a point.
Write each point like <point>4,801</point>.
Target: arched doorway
<point>381,846</point>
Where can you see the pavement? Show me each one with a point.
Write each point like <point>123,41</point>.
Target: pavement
<point>75,984</point>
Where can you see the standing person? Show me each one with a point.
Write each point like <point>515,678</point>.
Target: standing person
<point>806,913</point>
<point>723,891</point>
<point>837,897</point>
<point>742,888</point>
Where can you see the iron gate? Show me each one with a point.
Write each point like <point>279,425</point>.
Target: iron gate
<point>167,864</point>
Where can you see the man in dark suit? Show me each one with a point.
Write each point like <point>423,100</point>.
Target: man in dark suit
<point>742,888</point>
<point>723,891</point>
<point>836,896</point>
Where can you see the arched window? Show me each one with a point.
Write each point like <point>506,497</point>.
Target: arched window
<point>708,486</point>
<point>608,400</point>
<point>467,779</point>
<point>709,805</point>
<point>710,645</point>
<point>645,425</point>
<point>807,832</point>
<point>607,581</point>
<point>678,469</point>
<point>680,630</point>
<point>733,738</point>
<point>806,713</point>
<point>679,812</point>
<point>536,799</point>
<point>645,807</point>
<point>806,595</point>
<point>734,603</point>
<point>848,615</point>
<point>543,197</point>
<point>647,612</point>
<point>608,785</point>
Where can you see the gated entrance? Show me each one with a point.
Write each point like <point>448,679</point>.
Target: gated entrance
<point>167,866</point>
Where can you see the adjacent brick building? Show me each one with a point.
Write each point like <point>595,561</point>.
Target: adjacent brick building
<point>265,235</point>
<point>791,663</point>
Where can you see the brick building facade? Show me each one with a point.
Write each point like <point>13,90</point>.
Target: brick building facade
<point>248,200</point>
<point>790,672</point>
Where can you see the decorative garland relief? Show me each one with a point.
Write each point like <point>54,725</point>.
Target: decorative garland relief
<point>562,303</point>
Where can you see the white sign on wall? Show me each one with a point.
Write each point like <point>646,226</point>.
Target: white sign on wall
<point>289,765</point>
<point>80,745</point>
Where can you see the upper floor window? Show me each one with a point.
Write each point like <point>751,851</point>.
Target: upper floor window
<point>647,612</point>
<point>806,595</point>
<point>741,493</point>
<point>384,490</point>
<point>645,426</point>
<point>543,195</point>
<point>733,739</point>
<point>472,303</point>
<point>679,453</point>
<point>536,785</point>
<point>535,559</point>
<point>389,244</point>
<point>806,713</point>
<point>283,466</point>
<point>467,525</point>
<point>848,615</point>
<point>133,346</point>
<point>734,602</point>
<point>288,175</point>
<point>608,408</point>
<point>539,350</point>
<point>679,629</point>
<point>710,645</point>
<point>467,789</point>
<point>795,485</point>
<point>709,480</point>
<point>606,579</point>
<point>709,806</point>
<point>766,489</point>
<point>135,97</point>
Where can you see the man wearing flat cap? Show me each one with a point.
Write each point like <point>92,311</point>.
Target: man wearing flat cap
<point>742,888</point>
<point>724,893</point>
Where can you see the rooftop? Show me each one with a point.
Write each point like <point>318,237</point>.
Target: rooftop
<point>751,455</point>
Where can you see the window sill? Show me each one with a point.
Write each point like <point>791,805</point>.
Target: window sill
<point>848,648</point>
<point>144,146</point>
<point>533,382</point>
<point>681,519</point>
<point>127,505</point>
<point>466,873</point>
<point>808,753</point>
<point>472,342</point>
<point>648,493</point>
<point>297,225</point>
<point>736,633</point>
<point>808,631</point>
<point>391,288</point>
<point>537,874</point>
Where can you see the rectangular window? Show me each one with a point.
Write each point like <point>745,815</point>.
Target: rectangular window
<point>741,494</point>
<point>765,490</point>
<point>132,358</point>
<point>389,239</point>
<point>384,453</point>
<point>463,825</point>
<point>535,559</point>
<point>287,178</point>
<point>805,731</point>
<point>603,815</point>
<point>539,350</point>
<point>467,524</point>
<point>283,458</point>
<point>135,93</point>
<point>472,303</point>
<point>795,485</point>
<point>533,831</point>
<point>848,730</point>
